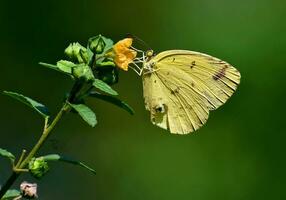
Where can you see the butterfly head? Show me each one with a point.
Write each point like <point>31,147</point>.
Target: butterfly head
<point>149,53</point>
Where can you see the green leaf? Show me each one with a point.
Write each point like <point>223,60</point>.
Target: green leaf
<point>54,67</point>
<point>40,108</point>
<point>90,57</point>
<point>65,66</point>
<point>56,157</point>
<point>112,100</point>
<point>108,43</point>
<point>7,154</point>
<point>11,194</point>
<point>99,84</point>
<point>106,63</point>
<point>86,113</point>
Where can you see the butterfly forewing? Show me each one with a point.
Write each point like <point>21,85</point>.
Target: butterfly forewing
<point>215,79</point>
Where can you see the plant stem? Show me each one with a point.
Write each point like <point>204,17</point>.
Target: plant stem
<point>8,183</point>
<point>42,139</point>
<point>21,158</point>
<point>45,135</point>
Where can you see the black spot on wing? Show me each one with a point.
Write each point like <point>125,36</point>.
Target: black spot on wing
<point>220,73</point>
<point>193,64</point>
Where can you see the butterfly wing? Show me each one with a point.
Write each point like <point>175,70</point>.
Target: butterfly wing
<point>155,99</point>
<point>193,83</point>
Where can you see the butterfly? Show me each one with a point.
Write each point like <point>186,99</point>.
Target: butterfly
<point>181,87</point>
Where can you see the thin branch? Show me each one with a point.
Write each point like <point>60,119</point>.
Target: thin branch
<point>20,159</point>
<point>21,165</point>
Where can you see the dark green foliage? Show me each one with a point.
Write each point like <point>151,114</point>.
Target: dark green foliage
<point>86,113</point>
<point>101,85</point>
<point>40,108</point>
<point>7,154</point>
<point>57,157</point>
<point>11,194</point>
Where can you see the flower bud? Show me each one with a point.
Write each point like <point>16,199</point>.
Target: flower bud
<point>97,44</point>
<point>83,72</point>
<point>38,167</point>
<point>77,53</point>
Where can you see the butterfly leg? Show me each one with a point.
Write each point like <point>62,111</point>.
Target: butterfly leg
<point>136,49</point>
<point>134,70</point>
<point>137,69</point>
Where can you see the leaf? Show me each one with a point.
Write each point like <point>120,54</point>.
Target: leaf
<point>7,154</point>
<point>65,66</point>
<point>86,113</point>
<point>99,84</point>
<point>56,157</point>
<point>113,100</point>
<point>11,194</point>
<point>40,108</point>
<point>106,63</point>
<point>108,43</point>
<point>54,67</point>
<point>90,57</point>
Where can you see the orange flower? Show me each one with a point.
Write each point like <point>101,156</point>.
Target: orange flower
<point>123,54</point>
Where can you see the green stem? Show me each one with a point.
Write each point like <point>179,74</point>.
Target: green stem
<point>21,158</point>
<point>45,135</point>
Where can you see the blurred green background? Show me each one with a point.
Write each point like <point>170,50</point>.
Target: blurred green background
<point>238,154</point>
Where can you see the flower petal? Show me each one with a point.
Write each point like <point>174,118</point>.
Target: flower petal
<point>123,54</point>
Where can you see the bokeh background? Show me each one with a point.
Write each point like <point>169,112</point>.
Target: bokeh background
<point>238,154</point>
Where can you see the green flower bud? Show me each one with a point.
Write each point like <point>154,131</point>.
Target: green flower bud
<point>99,44</point>
<point>83,72</point>
<point>38,167</point>
<point>77,53</point>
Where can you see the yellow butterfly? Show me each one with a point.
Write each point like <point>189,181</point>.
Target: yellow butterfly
<point>180,87</point>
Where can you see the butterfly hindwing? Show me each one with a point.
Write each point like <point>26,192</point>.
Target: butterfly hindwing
<point>180,114</point>
<point>155,100</point>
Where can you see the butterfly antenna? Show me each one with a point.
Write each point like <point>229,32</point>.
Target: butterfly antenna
<point>142,42</point>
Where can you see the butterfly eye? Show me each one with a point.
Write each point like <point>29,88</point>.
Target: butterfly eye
<point>149,53</point>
